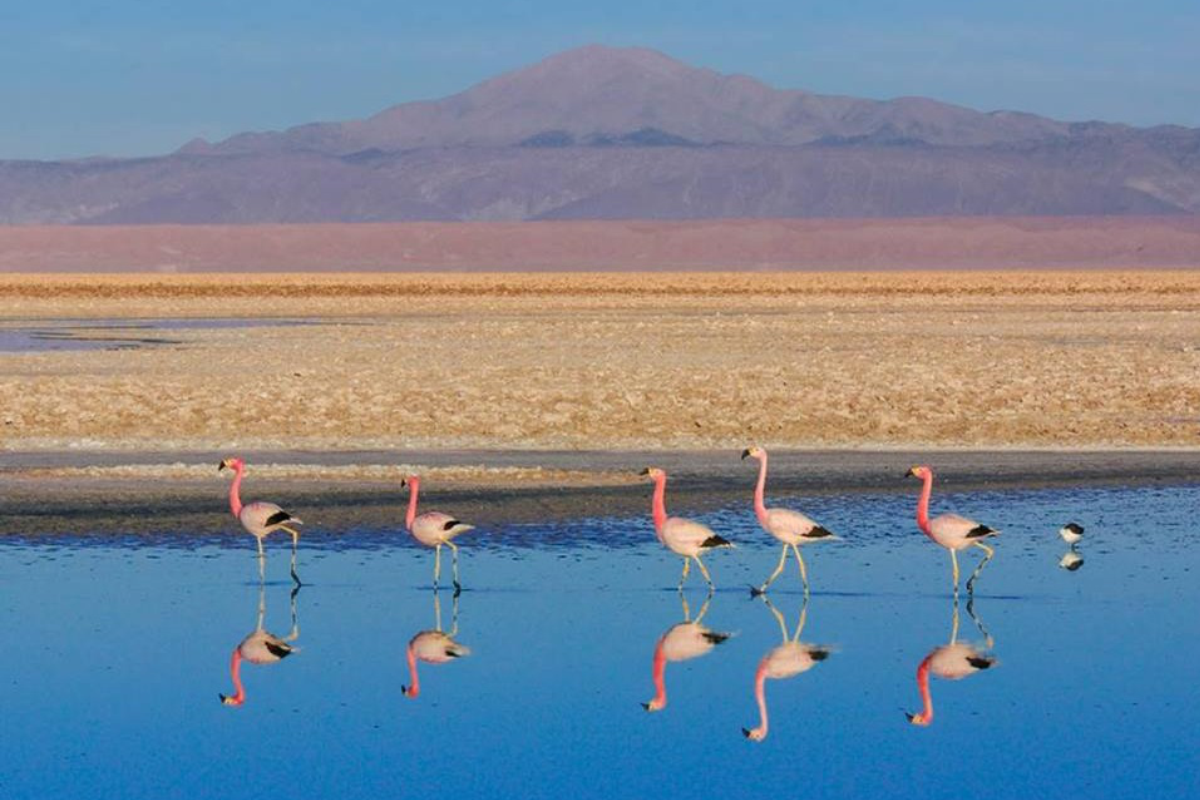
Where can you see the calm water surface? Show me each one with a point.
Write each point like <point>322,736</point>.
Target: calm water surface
<point>114,651</point>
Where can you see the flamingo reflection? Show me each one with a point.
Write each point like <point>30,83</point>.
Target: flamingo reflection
<point>433,646</point>
<point>788,660</point>
<point>682,641</point>
<point>260,647</point>
<point>952,662</point>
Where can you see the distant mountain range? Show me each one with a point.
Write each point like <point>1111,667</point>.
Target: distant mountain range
<point>628,133</point>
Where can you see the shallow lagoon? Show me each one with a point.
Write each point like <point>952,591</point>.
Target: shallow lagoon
<point>115,648</point>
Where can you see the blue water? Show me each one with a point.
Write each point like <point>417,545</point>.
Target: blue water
<point>67,334</point>
<point>114,652</point>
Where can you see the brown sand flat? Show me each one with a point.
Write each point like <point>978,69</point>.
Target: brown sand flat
<point>966,360</point>
<point>621,245</point>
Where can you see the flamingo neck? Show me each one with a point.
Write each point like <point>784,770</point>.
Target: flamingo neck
<point>926,715</point>
<point>235,491</point>
<point>659,673</point>
<point>414,687</point>
<point>235,673</point>
<point>413,487</point>
<point>660,504</point>
<point>760,506</point>
<point>923,504</point>
<point>760,695</point>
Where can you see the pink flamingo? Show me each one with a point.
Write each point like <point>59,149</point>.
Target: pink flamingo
<point>790,527</point>
<point>682,641</point>
<point>953,662</point>
<point>433,529</point>
<point>950,530</point>
<point>788,660</point>
<point>433,647</point>
<point>684,537</point>
<point>259,647</point>
<point>259,519</point>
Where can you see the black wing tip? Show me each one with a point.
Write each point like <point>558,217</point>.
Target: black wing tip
<point>981,662</point>
<point>278,650</point>
<point>278,517</point>
<point>1073,527</point>
<point>980,531</point>
<point>450,524</point>
<point>716,637</point>
<point>715,541</point>
<point>819,532</point>
<point>819,653</point>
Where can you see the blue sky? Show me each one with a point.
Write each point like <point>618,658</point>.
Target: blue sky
<point>139,77</point>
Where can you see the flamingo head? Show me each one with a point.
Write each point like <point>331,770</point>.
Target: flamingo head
<point>231,700</point>
<point>411,480</point>
<point>754,734</point>
<point>654,473</point>
<point>753,451</point>
<point>655,705</point>
<point>919,719</point>
<point>234,464</point>
<point>919,471</point>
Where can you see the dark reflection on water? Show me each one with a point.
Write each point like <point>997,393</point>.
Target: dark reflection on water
<point>112,650</point>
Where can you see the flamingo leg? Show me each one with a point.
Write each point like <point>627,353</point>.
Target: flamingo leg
<point>295,634</point>
<point>437,565</point>
<point>987,637</point>
<point>954,562</point>
<point>295,543</point>
<point>778,569</point>
<point>454,562</point>
<point>803,571</point>
<point>704,572</point>
<point>988,553</point>
<point>686,566</point>
<point>262,561</point>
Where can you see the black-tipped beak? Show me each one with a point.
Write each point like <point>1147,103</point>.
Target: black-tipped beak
<point>645,706</point>
<point>646,471</point>
<point>912,473</point>
<point>403,482</point>
<point>221,466</point>
<point>746,732</point>
<point>745,455</point>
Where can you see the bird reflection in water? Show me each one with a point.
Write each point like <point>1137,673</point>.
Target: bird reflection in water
<point>1072,534</point>
<point>788,660</point>
<point>682,641</point>
<point>953,662</point>
<point>260,647</point>
<point>433,646</point>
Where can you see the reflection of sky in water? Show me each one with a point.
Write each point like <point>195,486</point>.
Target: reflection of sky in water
<point>113,654</point>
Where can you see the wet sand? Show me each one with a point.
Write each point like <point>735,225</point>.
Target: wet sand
<point>608,362</point>
<point>169,493</point>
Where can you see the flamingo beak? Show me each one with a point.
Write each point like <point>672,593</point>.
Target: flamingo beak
<point>403,483</point>
<point>646,471</point>
<point>917,719</point>
<point>912,472</point>
<point>229,701</point>
<point>222,466</point>
<point>745,454</point>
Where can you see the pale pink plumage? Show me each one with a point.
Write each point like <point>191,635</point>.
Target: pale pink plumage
<point>433,529</point>
<point>684,537</point>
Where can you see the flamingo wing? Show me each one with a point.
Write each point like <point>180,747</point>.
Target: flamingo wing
<point>793,527</point>
<point>261,518</point>
<point>688,537</point>
<point>952,530</point>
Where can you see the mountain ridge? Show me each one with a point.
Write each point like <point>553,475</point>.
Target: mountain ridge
<point>607,133</point>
